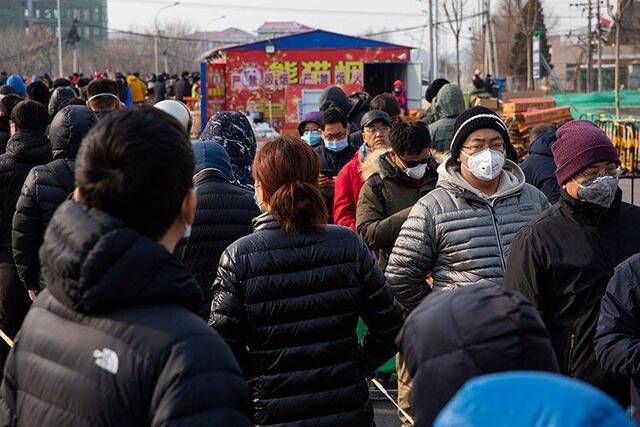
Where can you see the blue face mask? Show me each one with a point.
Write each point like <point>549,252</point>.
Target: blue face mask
<point>312,138</point>
<point>336,145</point>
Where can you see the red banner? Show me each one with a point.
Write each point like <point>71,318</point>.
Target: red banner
<point>216,84</point>
<point>273,83</point>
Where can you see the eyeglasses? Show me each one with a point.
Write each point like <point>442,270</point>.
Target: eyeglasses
<point>335,136</point>
<point>412,164</point>
<point>592,174</point>
<point>476,148</point>
<point>382,130</point>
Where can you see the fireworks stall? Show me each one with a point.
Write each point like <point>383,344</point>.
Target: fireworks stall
<point>281,79</point>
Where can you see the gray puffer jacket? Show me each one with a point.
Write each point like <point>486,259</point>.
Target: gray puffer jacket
<point>459,235</point>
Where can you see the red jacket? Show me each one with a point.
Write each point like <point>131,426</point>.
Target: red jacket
<point>347,188</point>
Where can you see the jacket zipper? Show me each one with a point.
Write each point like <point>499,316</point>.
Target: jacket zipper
<point>572,346</point>
<point>495,227</point>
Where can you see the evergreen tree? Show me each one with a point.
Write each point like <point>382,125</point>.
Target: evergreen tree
<point>532,18</point>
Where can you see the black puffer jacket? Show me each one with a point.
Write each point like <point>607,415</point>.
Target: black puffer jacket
<point>616,342</point>
<point>112,341</point>
<point>456,335</point>
<point>25,150</point>
<point>224,215</point>
<point>562,262</point>
<point>45,188</point>
<point>288,305</point>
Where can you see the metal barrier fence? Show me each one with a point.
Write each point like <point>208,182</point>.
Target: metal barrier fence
<point>625,135</point>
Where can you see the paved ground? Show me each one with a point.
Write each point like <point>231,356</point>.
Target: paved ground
<point>385,414</point>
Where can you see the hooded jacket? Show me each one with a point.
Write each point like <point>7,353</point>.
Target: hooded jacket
<point>616,341</point>
<point>25,150</point>
<point>114,340</point>
<point>540,169</point>
<point>531,399</point>
<point>288,304</point>
<point>138,89</point>
<point>59,96</point>
<point>455,336</point>
<point>223,215</point>
<point>447,106</point>
<point>386,200</point>
<point>233,131</point>
<point>562,262</point>
<point>458,235</point>
<point>17,83</point>
<point>45,188</point>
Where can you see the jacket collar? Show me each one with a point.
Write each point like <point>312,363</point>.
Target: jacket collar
<point>588,212</point>
<point>209,174</point>
<point>28,146</point>
<point>93,263</point>
<point>265,221</point>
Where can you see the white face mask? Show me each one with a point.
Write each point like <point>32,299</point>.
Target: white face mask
<point>416,172</point>
<point>485,165</point>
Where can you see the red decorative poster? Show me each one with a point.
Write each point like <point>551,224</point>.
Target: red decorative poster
<point>272,84</point>
<point>215,88</point>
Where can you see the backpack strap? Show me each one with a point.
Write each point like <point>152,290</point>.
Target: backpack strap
<point>375,182</point>
<point>63,174</point>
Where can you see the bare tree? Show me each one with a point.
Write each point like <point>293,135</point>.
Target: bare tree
<point>527,18</point>
<point>453,13</point>
<point>621,7</point>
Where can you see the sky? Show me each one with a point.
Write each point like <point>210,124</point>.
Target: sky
<point>356,17</point>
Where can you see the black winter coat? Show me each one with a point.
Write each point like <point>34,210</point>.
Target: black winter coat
<point>182,89</point>
<point>224,215</point>
<point>617,335</point>
<point>333,162</point>
<point>45,188</point>
<point>540,169</point>
<point>562,262</point>
<point>453,336</point>
<point>288,305</point>
<point>114,340</point>
<point>25,150</point>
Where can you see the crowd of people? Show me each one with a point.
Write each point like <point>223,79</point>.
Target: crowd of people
<point>149,279</point>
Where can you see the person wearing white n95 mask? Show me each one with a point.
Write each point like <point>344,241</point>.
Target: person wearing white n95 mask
<point>459,234</point>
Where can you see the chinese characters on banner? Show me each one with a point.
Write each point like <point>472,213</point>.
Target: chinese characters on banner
<point>280,74</point>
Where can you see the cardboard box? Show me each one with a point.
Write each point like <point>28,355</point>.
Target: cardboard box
<point>530,119</point>
<point>514,106</point>
<point>523,94</point>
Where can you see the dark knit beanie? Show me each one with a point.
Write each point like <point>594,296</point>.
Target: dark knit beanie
<point>580,144</point>
<point>474,119</point>
<point>434,88</point>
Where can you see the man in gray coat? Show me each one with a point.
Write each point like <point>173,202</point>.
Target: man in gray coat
<point>459,234</point>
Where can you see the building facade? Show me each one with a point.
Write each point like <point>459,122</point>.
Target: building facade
<point>29,14</point>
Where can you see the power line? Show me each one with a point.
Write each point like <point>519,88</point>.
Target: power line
<point>446,21</point>
<point>228,6</point>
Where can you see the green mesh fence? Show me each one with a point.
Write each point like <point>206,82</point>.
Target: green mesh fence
<point>595,105</point>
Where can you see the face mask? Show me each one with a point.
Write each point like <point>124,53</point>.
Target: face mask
<point>336,145</point>
<point>601,191</point>
<point>396,90</point>
<point>312,138</point>
<point>486,165</point>
<point>187,231</point>
<point>258,203</point>
<point>416,172</point>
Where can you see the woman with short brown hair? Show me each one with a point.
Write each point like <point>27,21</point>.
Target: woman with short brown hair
<point>287,299</point>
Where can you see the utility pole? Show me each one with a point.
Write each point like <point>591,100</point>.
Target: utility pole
<point>589,47</point>
<point>431,43</point>
<point>60,67</point>
<point>435,32</point>
<point>599,41</point>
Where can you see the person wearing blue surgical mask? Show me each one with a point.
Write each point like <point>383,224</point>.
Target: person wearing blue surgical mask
<point>335,153</point>
<point>309,129</point>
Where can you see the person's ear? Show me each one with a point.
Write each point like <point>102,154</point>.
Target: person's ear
<point>77,196</point>
<point>189,205</point>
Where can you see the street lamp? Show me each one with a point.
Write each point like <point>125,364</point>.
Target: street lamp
<point>155,39</point>
<point>214,20</point>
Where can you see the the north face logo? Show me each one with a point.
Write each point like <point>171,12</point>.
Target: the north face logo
<point>107,359</point>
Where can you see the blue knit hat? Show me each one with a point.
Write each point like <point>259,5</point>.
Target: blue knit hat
<point>211,155</point>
